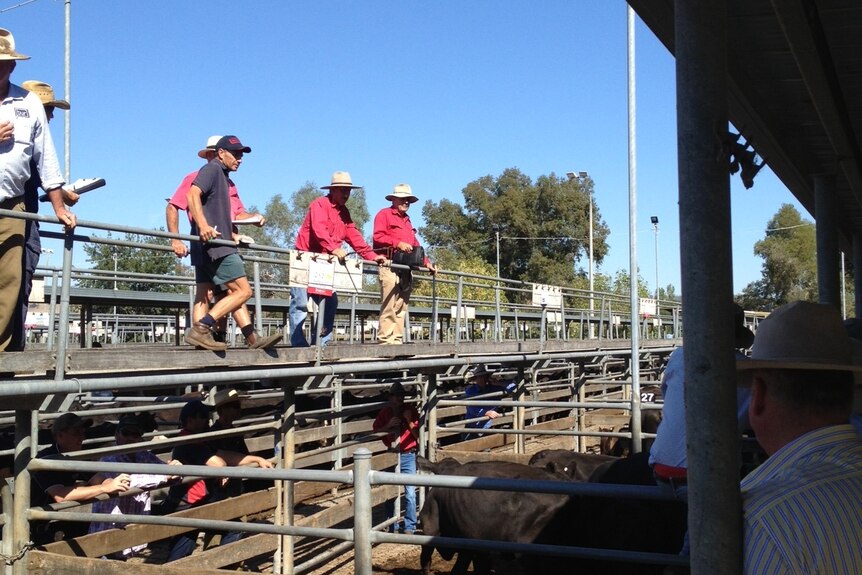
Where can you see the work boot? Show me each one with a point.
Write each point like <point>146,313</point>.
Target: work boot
<point>257,341</point>
<point>202,337</point>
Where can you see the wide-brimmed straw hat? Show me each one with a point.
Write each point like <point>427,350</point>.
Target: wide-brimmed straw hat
<point>210,147</point>
<point>402,191</point>
<point>340,180</point>
<point>801,335</point>
<point>45,93</point>
<point>224,397</point>
<point>7,47</point>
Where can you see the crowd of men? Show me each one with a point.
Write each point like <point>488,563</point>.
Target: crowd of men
<point>802,509</point>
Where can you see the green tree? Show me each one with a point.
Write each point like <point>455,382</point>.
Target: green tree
<point>789,270</point>
<point>473,289</point>
<point>144,260</point>
<point>543,226</point>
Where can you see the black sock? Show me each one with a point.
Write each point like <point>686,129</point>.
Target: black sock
<point>247,330</point>
<point>208,321</point>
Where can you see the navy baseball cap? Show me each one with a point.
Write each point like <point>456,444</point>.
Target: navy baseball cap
<point>232,143</point>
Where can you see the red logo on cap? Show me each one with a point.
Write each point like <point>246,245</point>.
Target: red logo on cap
<point>234,140</point>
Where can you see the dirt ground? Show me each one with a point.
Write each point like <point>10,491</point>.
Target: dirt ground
<point>394,559</point>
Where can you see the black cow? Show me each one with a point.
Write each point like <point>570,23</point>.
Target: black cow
<point>481,514</point>
<point>614,523</point>
<point>576,466</point>
<point>622,446</point>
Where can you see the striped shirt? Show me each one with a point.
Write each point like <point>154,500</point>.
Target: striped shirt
<point>803,507</point>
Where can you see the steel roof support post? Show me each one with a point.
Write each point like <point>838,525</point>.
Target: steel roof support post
<point>285,457</point>
<point>362,524</point>
<point>857,275</point>
<point>828,260</point>
<point>21,501</point>
<point>714,504</point>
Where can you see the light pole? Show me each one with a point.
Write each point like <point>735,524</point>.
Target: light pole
<point>48,252</point>
<point>497,317</point>
<point>116,257</point>
<point>582,177</point>
<point>654,221</point>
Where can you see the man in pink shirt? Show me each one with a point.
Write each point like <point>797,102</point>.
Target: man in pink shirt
<point>325,228</point>
<point>394,232</point>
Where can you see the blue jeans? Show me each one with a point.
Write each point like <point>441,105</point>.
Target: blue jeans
<point>299,311</point>
<point>407,465</point>
<point>680,492</point>
<point>184,544</point>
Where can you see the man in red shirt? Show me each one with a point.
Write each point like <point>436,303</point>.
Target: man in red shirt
<point>325,228</point>
<point>394,232</point>
<point>401,421</point>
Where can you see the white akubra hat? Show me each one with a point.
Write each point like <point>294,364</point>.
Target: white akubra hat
<point>224,397</point>
<point>401,191</point>
<point>340,180</point>
<point>801,335</point>
<point>7,47</point>
<point>45,93</point>
<point>210,147</point>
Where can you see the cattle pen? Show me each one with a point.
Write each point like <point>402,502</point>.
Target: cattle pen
<point>784,73</point>
<point>576,370</point>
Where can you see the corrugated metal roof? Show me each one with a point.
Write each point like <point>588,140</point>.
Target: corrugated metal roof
<point>795,89</point>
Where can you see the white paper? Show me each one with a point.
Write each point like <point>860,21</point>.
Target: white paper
<point>252,220</point>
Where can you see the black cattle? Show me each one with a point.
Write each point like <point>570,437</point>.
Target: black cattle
<point>614,523</point>
<point>650,420</point>
<point>481,514</point>
<point>576,466</point>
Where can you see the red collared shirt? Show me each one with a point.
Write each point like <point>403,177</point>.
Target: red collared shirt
<point>406,439</point>
<point>391,227</point>
<point>326,226</point>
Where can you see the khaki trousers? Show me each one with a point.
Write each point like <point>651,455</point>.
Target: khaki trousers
<point>394,299</point>
<point>11,266</point>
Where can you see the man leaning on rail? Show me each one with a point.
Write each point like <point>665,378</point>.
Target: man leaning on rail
<point>326,227</point>
<point>24,136</point>
<point>394,234</point>
<point>49,487</point>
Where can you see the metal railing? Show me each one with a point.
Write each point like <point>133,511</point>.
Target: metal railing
<point>491,319</point>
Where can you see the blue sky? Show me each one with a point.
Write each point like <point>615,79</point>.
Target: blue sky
<point>435,94</point>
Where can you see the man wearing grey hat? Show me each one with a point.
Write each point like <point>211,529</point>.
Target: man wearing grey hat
<point>22,115</point>
<point>802,508</point>
<point>394,233</point>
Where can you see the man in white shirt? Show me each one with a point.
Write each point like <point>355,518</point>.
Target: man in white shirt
<point>24,141</point>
